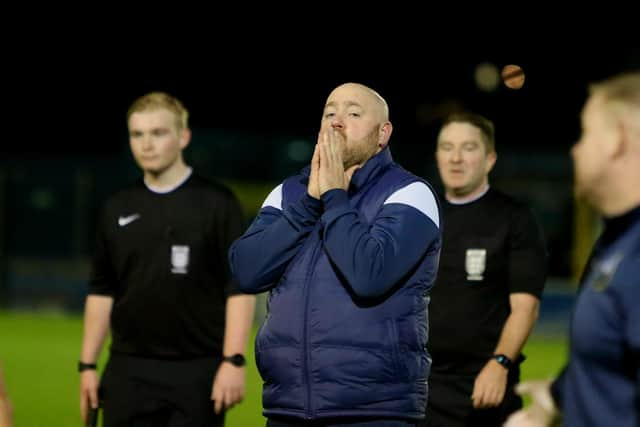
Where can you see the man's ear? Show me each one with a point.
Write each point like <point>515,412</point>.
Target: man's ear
<point>184,138</point>
<point>623,141</point>
<point>492,157</point>
<point>384,134</point>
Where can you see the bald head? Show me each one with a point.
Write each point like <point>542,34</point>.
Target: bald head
<point>363,95</point>
<point>360,116</point>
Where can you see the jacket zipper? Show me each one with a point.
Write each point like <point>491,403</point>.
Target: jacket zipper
<point>305,352</point>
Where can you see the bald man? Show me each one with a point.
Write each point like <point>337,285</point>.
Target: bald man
<point>600,386</point>
<point>348,251</point>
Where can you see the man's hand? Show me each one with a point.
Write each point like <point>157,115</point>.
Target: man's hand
<point>332,173</point>
<point>490,385</point>
<point>228,387</point>
<point>541,412</point>
<point>88,392</point>
<point>313,187</point>
<point>6,410</point>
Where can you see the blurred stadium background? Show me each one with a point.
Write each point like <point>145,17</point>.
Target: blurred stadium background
<point>71,151</point>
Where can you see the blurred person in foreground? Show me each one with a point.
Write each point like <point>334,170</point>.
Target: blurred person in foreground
<point>161,283</point>
<point>491,276</point>
<point>600,385</point>
<point>348,250</point>
<point>5,404</point>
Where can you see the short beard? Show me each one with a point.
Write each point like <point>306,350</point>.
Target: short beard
<point>370,142</point>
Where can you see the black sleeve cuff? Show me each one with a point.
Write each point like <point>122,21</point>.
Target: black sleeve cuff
<point>312,206</point>
<point>335,198</point>
<point>556,389</point>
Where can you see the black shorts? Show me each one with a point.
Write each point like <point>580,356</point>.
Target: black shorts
<point>149,392</point>
<point>450,402</point>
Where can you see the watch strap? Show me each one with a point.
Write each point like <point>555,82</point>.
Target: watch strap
<point>235,359</point>
<point>504,360</point>
<point>86,366</point>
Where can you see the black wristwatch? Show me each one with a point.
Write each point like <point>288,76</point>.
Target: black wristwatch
<point>235,359</point>
<point>503,360</point>
<point>86,366</point>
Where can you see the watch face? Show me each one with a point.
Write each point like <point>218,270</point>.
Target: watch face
<point>503,360</point>
<point>236,360</point>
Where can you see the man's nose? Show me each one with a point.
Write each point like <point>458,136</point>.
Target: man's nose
<point>146,143</point>
<point>337,123</point>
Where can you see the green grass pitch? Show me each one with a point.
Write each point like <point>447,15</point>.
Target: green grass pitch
<point>39,352</point>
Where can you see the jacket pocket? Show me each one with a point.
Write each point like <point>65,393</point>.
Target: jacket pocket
<point>394,343</point>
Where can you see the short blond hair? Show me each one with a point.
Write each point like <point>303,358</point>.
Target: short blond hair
<point>621,92</point>
<point>161,100</point>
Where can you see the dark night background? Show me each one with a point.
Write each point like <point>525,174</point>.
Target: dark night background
<point>69,73</point>
<point>255,111</point>
<point>72,99</point>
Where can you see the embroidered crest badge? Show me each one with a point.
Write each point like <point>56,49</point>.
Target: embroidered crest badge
<point>604,272</point>
<point>179,259</point>
<point>475,263</point>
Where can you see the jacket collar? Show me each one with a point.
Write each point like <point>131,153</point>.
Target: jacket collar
<point>371,168</point>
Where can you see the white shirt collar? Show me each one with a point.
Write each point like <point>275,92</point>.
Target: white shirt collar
<point>464,201</point>
<point>169,189</point>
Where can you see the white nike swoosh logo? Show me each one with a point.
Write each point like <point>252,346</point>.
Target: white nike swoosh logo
<point>125,220</point>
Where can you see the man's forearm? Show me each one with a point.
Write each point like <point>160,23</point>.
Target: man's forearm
<point>261,255</point>
<point>239,319</point>
<point>518,326</point>
<point>96,326</point>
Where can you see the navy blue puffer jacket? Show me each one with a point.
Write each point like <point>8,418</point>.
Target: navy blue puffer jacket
<point>346,327</point>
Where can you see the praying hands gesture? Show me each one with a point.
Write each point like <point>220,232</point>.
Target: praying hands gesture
<point>327,165</point>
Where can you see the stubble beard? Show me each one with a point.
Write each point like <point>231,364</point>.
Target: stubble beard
<point>591,189</point>
<point>360,151</point>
